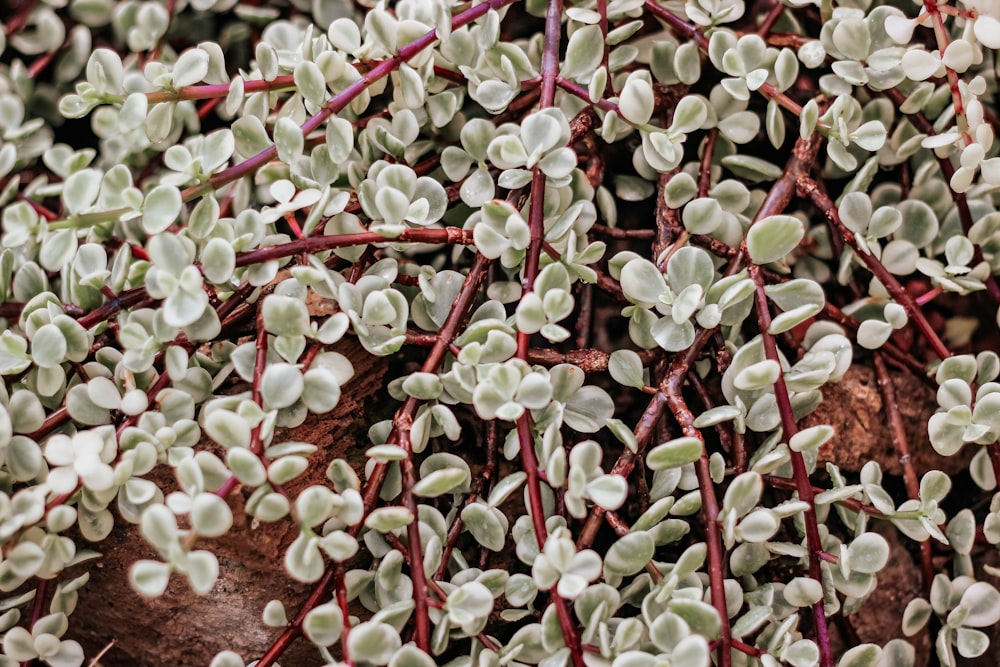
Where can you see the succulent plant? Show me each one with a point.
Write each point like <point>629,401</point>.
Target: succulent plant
<point>614,253</point>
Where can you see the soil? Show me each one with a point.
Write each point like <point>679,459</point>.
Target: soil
<point>879,618</point>
<point>855,409</point>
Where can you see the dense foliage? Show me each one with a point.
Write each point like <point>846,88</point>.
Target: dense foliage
<point>546,216</point>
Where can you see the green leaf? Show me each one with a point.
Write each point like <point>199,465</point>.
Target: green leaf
<point>160,208</point>
<point>440,482</point>
<point>287,468</point>
<point>58,249</point>
<point>388,519</point>
<point>227,659</point>
<point>971,643</point>
<point>218,261</point>
<point>310,82</point>
<point>701,616</point>
<point>608,491</point>
<point>961,531</point>
<point>314,505</point>
<point>373,642</point>
<point>674,454</point>
<point>506,486</point>
<point>868,553</point>
<point>80,190</point>
<point>774,123</point>
<point>285,316</point>
<point>422,386</point>
<point>915,616</point>
<point>270,507</point>
<point>303,559</point>
<point>48,346</point>
<point>210,515</point>
<point>852,39</point>
<point>983,602</point>
<point>759,525</point>
<point>281,385</point>
<point>865,655</point>
<point>13,353</point>
<point>702,216</point>
<point>274,614</point>
<point>761,375</point>
<point>625,367</point>
<point>250,136</point>
<point>190,68</point>
<point>227,428</point>
<point>246,466</point>
<point>773,237</point>
<point>752,168</point>
<point>692,651</point>
<point>159,527</point>
<point>636,100</point>
<point>811,438</point>
<point>803,591</point>
<point>323,624</point>
<point>803,653</point>
<point>411,656</point>
<point>642,282</point>
<point>202,571</point>
<point>630,553</point>
<point>744,493</point>
<point>149,577</point>
<point>485,525</point>
<point>288,139</point>
<point>689,115</point>
<point>583,54</point>
<point>588,409</point>
<point>469,605</point>
<point>752,620</point>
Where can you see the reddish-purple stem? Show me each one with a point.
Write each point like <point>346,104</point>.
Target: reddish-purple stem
<point>808,188</point>
<point>339,101</point>
<point>37,609</point>
<point>801,474</point>
<point>314,244</point>
<point>294,629</point>
<point>902,445</point>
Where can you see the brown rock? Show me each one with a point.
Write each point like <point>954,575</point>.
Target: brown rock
<point>854,408</point>
<point>880,618</point>
<point>184,629</point>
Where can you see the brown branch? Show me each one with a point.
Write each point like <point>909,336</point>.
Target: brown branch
<point>314,244</point>
<point>808,188</point>
<point>902,445</point>
<point>948,170</point>
<point>589,360</point>
<point>801,474</point>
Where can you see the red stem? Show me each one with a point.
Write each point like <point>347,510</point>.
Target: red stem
<point>339,101</point>
<point>294,629</point>
<point>900,441</point>
<point>948,170</point>
<point>802,483</point>
<point>549,74</point>
<point>340,588</point>
<point>808,188</point>
<point>314,244</point>
<point>677,24</point>
<point>21,18</point>
<point>37,609</point>
<point>710,518</point>
<point>772,17</point>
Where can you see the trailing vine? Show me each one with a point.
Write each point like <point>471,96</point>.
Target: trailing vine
<point>613,253</point>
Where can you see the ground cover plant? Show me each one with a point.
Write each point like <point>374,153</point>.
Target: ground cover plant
<point>499,333</point>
